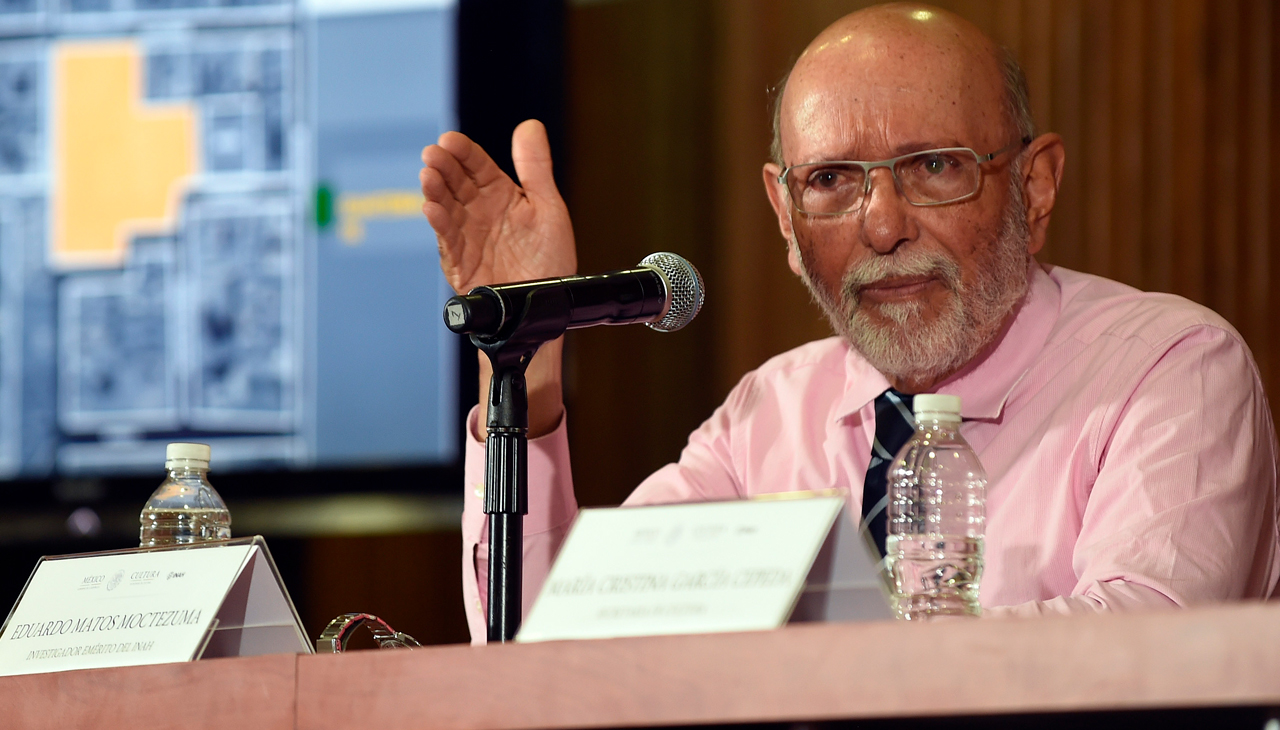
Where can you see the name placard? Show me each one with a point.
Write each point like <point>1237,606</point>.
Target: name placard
<point>687,568</point>
<point>133,607</point>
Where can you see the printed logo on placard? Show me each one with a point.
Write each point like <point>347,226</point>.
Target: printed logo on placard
<point>92,581</point>
<point>115,580</point>
<point>142,577</point>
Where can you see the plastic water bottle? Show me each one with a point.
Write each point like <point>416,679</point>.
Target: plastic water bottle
<point>185,509</point>
<point>937,490</point>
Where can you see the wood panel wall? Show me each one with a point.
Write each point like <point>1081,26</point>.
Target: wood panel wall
<point>1167,107</point>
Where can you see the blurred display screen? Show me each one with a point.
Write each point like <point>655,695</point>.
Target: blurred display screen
<point>210,230</point>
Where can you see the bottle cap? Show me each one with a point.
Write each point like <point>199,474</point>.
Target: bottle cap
<point>937,405</point>
<point>187,452</point>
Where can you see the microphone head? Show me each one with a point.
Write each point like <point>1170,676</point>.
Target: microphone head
<point>684,290</point>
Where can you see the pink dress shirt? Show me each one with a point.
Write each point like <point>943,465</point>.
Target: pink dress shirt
<point>1126,436</point>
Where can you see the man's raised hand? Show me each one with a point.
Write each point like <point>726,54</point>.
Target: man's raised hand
<point>490,230</point>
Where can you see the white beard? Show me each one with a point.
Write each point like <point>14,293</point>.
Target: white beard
<point>910,347</point>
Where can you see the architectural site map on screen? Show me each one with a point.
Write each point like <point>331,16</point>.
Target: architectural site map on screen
<point>210,230</point>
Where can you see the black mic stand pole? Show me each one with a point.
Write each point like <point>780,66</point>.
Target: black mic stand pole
<point>543,316</point>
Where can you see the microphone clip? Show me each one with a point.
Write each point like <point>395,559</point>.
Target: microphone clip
<point>541,316</point>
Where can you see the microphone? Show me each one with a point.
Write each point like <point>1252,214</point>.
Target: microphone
<point>664,291</point>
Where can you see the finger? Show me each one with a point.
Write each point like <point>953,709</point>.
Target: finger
<point>436,190</point>
<point>459,183</point>
<point>442,210</point>
<point>475,162</point>
<point>448,242</point>
<point>440,221</point>
<point>531,153</point>
<point>450,248</point>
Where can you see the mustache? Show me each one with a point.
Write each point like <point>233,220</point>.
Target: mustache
<point>904,262</point>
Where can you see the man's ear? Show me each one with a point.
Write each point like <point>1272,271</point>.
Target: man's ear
<point>1041,176</point>
<point>793,257</point>
<point>777,193</point>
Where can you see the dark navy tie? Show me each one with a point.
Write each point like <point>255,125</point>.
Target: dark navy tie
<point>894,426</point>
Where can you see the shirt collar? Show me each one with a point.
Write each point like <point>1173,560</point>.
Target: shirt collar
<point>862,383</point>
<point>983,385</point>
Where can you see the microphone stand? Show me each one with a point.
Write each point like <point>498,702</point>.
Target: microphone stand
<point>542,317</point>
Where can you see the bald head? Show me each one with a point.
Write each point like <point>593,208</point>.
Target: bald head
<point>871,60</point>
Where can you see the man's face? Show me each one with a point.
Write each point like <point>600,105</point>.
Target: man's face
<point>918,290</point>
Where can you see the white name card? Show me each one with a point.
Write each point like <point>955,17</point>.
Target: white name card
<point>131,607</point>
<point>691,568</point>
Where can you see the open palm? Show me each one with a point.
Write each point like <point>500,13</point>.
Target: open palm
<point>490,230</point>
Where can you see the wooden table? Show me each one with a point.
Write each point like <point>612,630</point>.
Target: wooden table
<point>1226,656</point>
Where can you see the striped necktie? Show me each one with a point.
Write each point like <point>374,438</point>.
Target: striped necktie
<point>894,426</point>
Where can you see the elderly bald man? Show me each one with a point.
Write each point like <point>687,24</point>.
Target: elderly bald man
<point>1128,442</point>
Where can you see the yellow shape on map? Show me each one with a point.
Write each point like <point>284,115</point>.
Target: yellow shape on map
<point>120,164</point>
<point>356,208</point>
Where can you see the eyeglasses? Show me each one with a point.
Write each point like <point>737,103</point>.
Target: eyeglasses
<point>931,177</point>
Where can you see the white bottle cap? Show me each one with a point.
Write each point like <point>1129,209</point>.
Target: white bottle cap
<point>186,452</point>
<point>937,405</point>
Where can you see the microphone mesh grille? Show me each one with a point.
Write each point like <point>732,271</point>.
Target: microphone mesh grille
<point>684,288</point>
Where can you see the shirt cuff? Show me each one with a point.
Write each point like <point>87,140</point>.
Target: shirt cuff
<point>551,499</point>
